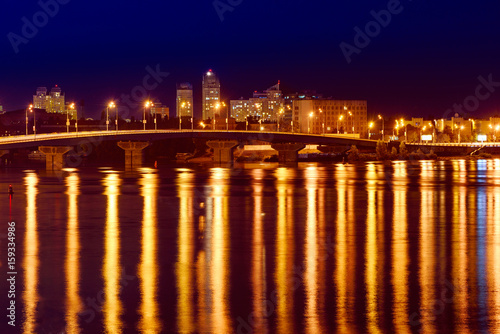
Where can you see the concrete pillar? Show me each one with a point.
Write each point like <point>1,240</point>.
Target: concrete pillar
<point>133,152</point>
<point>54,156</point>
<point>223,150</point>
<point>288,152</point>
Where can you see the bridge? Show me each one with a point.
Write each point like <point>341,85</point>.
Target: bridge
<point>55,145</point>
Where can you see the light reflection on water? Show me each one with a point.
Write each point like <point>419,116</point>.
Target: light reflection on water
<point>111,268</point>
<point>405,246</point>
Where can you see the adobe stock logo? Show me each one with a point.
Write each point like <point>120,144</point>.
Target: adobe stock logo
<point>471,103</point>
<point>29,29</point>
<point>372,29</point>
<point>225,6</point>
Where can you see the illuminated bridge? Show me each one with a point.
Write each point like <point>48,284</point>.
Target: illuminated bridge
<point>55,145</point>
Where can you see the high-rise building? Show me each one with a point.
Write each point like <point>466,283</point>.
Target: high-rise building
<point>184,100</point>
<point>52,102</point>
<point>330,116</point>
<point>275,102</point>
<point>210,95</point>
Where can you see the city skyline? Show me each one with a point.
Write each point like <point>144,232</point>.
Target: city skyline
<point>402,57</point>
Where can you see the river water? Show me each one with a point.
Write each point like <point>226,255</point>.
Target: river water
<point>315,248</point>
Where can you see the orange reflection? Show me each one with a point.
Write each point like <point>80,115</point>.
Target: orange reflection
<point>400,260</point>
<point>459,256</point>
<point>148,267</point>
<point>284,251</point>
<point>371,252</point>
<point>72,265</point>
<point>341,278</point>
<point>203,298</point>
<point>311,254</point>
<point>31,261</point>
<point>219,251</point>
<point>258,257</point>
<point>427,249</point>
<point>111,269</point>
<point>185,251</point>
<point>493,254</point>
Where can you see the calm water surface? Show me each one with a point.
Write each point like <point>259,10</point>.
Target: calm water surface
<point>396,247</point>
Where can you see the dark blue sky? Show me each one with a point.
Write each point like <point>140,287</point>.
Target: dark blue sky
<point>426,59</point>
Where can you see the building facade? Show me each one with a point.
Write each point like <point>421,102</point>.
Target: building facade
<point>266,105</point>
<point>52,102</point>
<point>184,100</point>
<point>159,109</point>
<point>330,116</point>
<point>210,95</point>
<point>240,109</point>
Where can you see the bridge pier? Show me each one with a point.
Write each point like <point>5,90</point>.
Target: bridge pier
<point>54,156</point>
<point>288,152</point>
<point>133,153</point>
<point>2,153</point>
<point>223,150</point>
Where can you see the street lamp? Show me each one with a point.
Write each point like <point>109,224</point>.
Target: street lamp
<point>405,125</point>
<point>323,124</point>
<point>31,110</point>
<point>146,105</point>
<point>34,121</point>
<point>433,126</point>
<point>369,129</point>
<point>156,126</point>
<point>246,123</point>
<point>383,126</point>
<point>308,119</point>
<point>67,120</point>
<point>279,118</point>
<point>110,105</point>
<point>116,116</point>
<point>72,107</point>
<point>340,118</point>
<point>227,116</point>
<point>422,130</point>
<point>183,105</point>
<point>192,116</point>
<point>352,121</point>
<point>202,125</point>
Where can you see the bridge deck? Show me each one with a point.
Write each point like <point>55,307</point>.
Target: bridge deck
<point>75,138</point>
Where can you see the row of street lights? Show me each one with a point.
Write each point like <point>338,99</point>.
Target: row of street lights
<point>31,110</point>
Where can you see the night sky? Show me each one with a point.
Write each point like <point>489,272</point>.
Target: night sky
<point>427,58</point>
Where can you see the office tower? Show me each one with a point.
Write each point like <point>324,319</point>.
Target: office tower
<point>184,100</point>
<point>210,95</point>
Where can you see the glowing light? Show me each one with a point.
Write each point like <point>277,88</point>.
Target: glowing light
<point>148,266</point>
<point>31,263</point>
<point>112,308</point>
